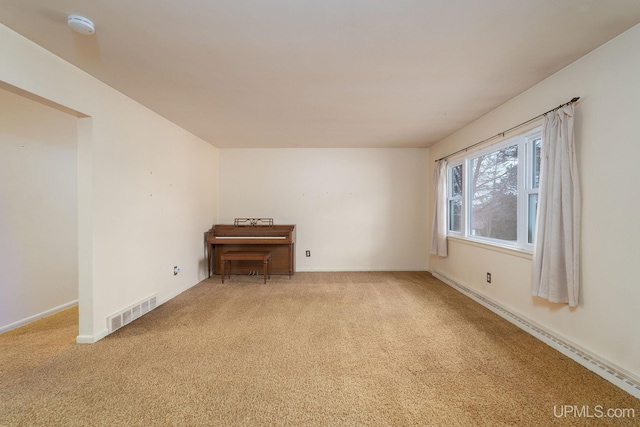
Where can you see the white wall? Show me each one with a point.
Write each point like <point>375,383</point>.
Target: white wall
<point>354,209</point>
<point>608,147</point>
<point>147,189</point>
<point>38,210</point>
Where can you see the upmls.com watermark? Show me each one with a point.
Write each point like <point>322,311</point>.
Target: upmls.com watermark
<point>587,411</point>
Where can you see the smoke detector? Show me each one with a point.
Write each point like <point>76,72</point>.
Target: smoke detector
<point>81,25</point>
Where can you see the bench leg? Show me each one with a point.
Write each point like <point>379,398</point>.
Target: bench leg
<point>264,271</point>
<point>224,270</point>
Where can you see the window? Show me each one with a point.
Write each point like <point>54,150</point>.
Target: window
<point>531,187</point>
<point>493,193</point>
<point>455,198</point>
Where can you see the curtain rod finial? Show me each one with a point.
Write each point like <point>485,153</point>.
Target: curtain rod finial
<point>576,99</point>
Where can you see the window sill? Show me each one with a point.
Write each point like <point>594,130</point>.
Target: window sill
<point>521,253</point>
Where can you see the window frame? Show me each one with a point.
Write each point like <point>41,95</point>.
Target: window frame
<point>529,188</point>
<point>451,197</point>
<point>525,142</point>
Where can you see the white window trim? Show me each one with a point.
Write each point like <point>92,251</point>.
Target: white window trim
<point>450,167</point>
<point>524,141</point>
<point>527,190</point>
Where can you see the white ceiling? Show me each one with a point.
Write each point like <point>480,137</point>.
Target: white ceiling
<point>322,73</point>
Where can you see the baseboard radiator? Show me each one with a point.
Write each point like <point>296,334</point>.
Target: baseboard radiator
<point>131,313</point>
<point>616,376</point>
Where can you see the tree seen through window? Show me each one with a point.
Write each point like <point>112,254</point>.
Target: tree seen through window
<point>494,194</point>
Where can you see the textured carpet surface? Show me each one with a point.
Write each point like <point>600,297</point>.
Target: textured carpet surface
<point>380,349</point>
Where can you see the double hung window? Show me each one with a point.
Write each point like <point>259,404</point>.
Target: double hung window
<point>493,192</point>
<point>455,198</point>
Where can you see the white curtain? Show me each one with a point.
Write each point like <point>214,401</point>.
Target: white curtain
<point>556,253</point>
<point>439,233</point>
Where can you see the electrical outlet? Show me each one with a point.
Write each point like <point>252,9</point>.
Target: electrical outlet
<point>488,277</point>
<point>308,253</point>
<point>176,270</point>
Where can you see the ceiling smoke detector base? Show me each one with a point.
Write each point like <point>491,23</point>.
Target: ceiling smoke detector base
<point>81,24</point>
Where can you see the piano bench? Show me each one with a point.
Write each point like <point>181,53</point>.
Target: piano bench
<point>264,256</point>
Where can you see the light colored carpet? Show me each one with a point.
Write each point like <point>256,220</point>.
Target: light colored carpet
<point>380,349</point>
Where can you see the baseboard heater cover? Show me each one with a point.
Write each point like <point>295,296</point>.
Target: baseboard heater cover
<point>623,380</point>
<point>131,313</point>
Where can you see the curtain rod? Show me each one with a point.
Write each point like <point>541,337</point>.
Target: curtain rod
<point>510,129</point>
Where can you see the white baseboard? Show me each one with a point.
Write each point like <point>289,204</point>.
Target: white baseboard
<point>91,339</point>
<point>596,364</point>
<point>38,316</point>
<point>177,292</point>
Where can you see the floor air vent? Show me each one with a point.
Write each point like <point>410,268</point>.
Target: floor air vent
<point>128,315</point>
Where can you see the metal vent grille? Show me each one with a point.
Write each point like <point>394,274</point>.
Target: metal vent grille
<point>129,314</point>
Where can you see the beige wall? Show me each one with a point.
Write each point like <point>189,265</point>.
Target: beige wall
<point>147,189</point>
<point>38,210</point>
<point>608,147</point>
<point>355,209</point>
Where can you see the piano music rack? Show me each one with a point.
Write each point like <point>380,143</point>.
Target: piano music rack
<point>253,222</point>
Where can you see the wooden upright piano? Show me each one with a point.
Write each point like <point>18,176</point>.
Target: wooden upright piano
<point>253,234</point>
